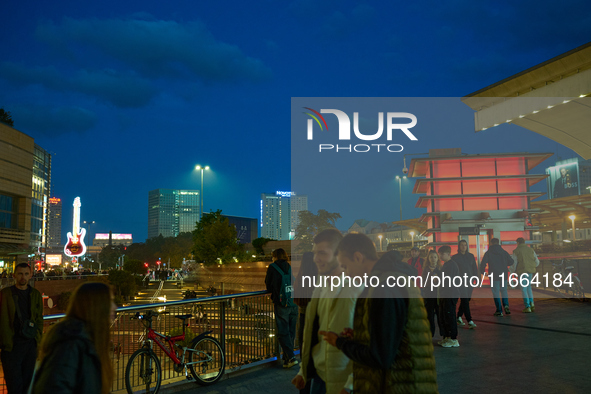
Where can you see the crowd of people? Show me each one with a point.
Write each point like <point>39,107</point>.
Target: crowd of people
<point>379,338</point>
<point>361,339</point>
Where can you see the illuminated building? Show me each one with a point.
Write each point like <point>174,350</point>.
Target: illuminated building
<point>279,214</point>
<point>55,223</point>
<point>476,197</point>
<point>24,193</point>
<point>101,240</point>
<point>171,212</point>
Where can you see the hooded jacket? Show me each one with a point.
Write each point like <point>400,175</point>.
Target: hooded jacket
<point>498,259</point>
<point>73,366</point>
<point>392,348</point>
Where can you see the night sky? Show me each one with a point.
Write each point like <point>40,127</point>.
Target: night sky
<point>130,96</point>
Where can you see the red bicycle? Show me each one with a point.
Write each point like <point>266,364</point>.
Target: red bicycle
<point>204,358</point>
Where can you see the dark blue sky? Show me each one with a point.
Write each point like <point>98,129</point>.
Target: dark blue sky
<point>130,96</point>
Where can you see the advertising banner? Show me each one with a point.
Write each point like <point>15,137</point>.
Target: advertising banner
<point>563,180</point>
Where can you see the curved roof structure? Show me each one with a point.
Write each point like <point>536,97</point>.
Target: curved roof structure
<point>551,99</point>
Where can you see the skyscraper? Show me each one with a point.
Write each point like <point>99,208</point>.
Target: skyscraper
<point>171,212</point>
<point>55,223</point>
<point>280,214</point>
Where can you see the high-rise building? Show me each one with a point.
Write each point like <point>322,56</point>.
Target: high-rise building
<point>40,202</point>
<point>24,196</point>
<point>171,212</point>
<point>280,214</point>
<point>55,223</point>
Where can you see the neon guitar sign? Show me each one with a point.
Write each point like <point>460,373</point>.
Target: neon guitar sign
<point>75,245</point>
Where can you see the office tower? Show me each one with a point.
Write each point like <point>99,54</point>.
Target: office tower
<point>280,214</point>
<point>55,223</point>
<point>171,212</point>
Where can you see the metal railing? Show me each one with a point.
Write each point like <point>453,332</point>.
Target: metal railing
<point>244,324</point>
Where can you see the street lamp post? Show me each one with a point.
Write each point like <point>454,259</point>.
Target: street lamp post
<point>412,234</point>
<point>198,167</point>
<point>572,218</point>
<point>90,223</point>
<point>380,237</point>
<point>400,198</point>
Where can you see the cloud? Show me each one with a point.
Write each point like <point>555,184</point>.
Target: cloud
<point>125,90</point>
<point>52,120</point>
<point>157,48</point>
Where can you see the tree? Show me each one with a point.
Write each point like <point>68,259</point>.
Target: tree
<point>215,238</point>
<point>311,224</point>
<point>134,266</point>
<point>109,256</point>
<point>259,243</point>
<point>123,281</point>
<point>6,117</point>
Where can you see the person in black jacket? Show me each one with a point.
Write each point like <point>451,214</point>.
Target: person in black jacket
<point>498,260</point>
<point>431,269</point>
<point>74,355</point>
<point>286,316</point>
<point>467,265</point>
<point>448,298</point>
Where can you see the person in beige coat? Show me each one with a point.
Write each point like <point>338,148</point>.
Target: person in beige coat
<point>330,309</point>
<point>527,261</point>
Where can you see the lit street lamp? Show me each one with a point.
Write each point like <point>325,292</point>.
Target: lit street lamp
<point>198,167</point>
<point>89,223</point>
<point>400,195</point>
<point>412,234</point>
<point>572,218</point>
<point>380,237</point>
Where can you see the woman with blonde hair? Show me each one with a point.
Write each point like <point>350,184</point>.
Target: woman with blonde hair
<point>74,355</point>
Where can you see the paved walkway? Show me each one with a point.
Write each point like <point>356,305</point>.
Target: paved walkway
<point>548,351</point>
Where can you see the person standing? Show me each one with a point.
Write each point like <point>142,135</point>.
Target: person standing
<point>498,259</point>
<point>390,345</point>
<point>21,326</point>
<point>328,369</point>
<point>467,265</point>
<point>430,293</point>
<point>527,261</point>
<point>286,311</point>
<point>304,295</point>
<point>415,260</point>
<point>74,354</point>
<point>448,298</point>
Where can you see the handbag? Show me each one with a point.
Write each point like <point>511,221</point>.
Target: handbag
<point>28,327</point>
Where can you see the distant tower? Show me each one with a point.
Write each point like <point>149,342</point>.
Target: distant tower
<point>171,212</point>
<point>280,214</point>
<point>55,222</point>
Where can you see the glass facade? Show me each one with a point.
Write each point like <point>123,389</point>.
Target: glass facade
<point>40,196</point>
<point>171,212</point>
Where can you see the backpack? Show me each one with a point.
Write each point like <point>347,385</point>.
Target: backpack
<point>286,289</point>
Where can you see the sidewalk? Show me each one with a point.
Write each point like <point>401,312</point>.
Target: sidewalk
<point>548,351</point>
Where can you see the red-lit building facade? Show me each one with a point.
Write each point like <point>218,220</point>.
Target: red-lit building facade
<point>476,197</point>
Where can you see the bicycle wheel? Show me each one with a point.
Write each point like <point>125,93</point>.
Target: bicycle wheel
<point>206,361</point>
<point>143,373</point>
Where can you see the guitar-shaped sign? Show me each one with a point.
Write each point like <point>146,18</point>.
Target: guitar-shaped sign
<point>75,245</point>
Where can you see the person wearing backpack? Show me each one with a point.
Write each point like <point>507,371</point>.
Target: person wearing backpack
<point>279,284</point>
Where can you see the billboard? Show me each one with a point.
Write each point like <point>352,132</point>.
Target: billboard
<point>563,180</point>
<point>53,259</point>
